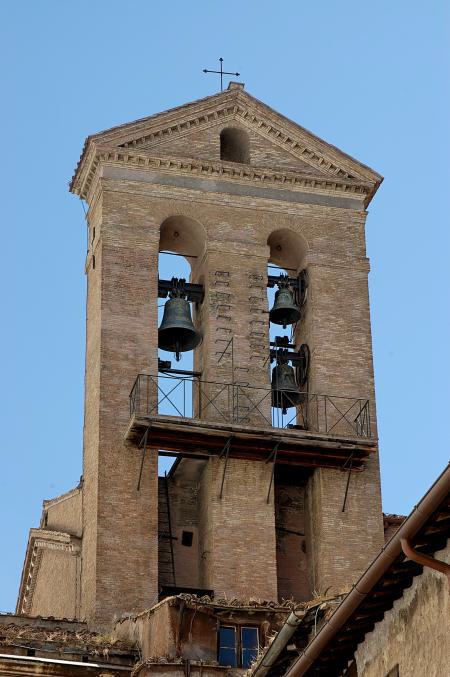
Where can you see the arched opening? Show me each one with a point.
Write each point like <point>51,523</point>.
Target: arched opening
<point>184,236</point>
<point>181,246</point>
<point>287,257</point>
<point>287,249</point>
<point>234,145</point>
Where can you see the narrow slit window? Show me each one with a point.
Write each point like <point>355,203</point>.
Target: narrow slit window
<point>187,538</point>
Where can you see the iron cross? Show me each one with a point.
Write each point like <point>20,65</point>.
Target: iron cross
<point>221,73</point>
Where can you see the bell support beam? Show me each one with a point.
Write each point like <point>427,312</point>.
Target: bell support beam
<point>194,292</point>
<point>297,448</point>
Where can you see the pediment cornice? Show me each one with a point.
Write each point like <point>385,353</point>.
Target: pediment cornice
<point>229,171</point>
<point>298,148</point>
<point>40,540</point>
<point>144,137</point>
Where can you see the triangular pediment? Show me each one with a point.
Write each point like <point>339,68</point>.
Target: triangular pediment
<point>203,143</point>
<point>192,131</point>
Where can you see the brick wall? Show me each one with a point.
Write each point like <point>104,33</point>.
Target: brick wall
<point>121,330</point>
<point>184,508</point>
<point>237,536</point>
<point>292,546</point>
<point>205,144</point>
<point>237,550</point>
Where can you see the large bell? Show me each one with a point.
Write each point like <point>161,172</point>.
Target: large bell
<point>284,310</point>
<point>177,333</point>
<point>285,391</point>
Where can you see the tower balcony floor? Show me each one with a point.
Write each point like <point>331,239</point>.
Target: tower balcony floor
<point>320,431</point>
<point>195,438</point>
<point>194,418</point>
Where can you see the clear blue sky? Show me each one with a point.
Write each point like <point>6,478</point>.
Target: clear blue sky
<point>371,78</point>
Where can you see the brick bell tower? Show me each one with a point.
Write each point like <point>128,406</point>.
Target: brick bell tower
<point>275,491</point>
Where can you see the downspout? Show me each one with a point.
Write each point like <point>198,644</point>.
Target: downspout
<point>425,560</point>
<point>282,638</point>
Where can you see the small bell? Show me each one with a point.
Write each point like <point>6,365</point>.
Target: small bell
<point>177,333</point>
<point>284,310</point>
<point>285,391</point>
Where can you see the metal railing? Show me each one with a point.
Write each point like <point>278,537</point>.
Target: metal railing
<point>239,403</point>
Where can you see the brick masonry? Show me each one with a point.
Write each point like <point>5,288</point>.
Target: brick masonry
<point>233,267</point>
<point>227,222</point>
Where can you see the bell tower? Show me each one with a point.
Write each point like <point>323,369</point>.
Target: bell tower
<point>275,489</point>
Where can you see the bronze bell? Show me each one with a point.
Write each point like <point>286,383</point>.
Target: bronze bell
<point>285,391</point>
<point>284,310</point>
<point>177,333</point>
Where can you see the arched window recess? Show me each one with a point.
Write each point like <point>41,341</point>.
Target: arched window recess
<point>287,284</point>
<point>234,145</point>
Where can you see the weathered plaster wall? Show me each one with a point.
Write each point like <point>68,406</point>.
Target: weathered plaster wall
<point>153,631</point>
<point>414,634</point>
<point>61,597</point>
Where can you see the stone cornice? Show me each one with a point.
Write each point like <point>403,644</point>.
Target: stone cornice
<point>224,170</point>
<point>63,497</point>
<point>39,540</point>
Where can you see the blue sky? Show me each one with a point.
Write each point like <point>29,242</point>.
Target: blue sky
<point>371,78</point>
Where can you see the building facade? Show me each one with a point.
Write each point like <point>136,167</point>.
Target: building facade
<point>275,491</point>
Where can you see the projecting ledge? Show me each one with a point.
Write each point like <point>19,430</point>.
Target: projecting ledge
<point>189,437</point>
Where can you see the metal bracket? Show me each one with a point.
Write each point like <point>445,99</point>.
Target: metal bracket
<point>302,366</point>
<point>273,454</point>
<point>144,449</point>
<point>282,354</point>
<point>193,292</point>
<point>298,284</point>
<point>169,520</point>
<point>165,367</point>
<point>225,451</point>
<point>348,464</point>
<point>274,280</point>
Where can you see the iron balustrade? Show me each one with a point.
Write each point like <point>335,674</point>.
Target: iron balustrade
<point>239,403</point>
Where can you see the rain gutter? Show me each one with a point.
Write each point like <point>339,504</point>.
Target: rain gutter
<point>276,647</point>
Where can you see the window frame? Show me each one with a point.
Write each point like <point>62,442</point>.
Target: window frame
<point>238,648</point>
<point>235,648</point>
<point>247,627</point>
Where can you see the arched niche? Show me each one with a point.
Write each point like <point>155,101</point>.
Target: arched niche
<point>287,249</point>
<point>234,145</point>
<point>183,235</point>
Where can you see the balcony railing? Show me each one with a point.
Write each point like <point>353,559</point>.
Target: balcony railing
<point>239,403</point>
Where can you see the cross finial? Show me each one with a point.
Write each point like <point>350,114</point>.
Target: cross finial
<point>221,73</point>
